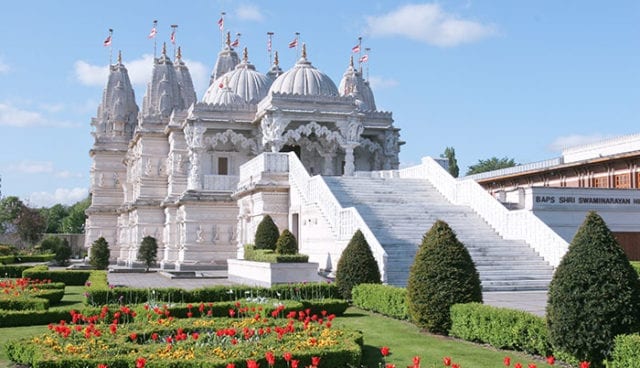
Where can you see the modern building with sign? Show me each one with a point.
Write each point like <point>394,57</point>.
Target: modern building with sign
<point>602,176</point>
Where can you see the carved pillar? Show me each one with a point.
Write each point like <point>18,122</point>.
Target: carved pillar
<point>349,164</point>
<point>194,182</point>
<point>272,126</point>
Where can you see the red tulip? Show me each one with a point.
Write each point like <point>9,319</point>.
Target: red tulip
<point>507,361</point>
<point>584,364</point>
<point>154,336</point>
<point>140,362</point>
<point>532,365</point>
<point>232,313</point>
<point>446,361</point>
<point>252,364</point>
<point>384,350</point>
<point>455,365</point>
<point>294,363</point>
<point>133,336</point>
<point>287,356</point>
<point>389,365</point>
<point>416,360</point>
<point>518,365</point>
<point>315,361</point>
<point>231,365</point>
<point>551,360</point>
<point>271,359</point>
<point>102,365</point>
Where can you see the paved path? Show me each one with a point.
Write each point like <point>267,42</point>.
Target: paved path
<point>529,301</point>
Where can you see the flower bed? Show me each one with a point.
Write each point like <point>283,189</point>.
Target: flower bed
<point>123,338</point>
<point>25,293</point>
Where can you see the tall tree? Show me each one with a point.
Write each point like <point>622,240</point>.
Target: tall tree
<point>356,266</point>
<point>30,225</point>
<point>148,251</point>
<point>53,217</point>
<point>491,164</point>
<point>10,208</point>
<point>450,155</point>
<point>74,222</point>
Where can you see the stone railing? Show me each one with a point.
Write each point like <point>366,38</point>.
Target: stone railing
<point>522,225</point>
<point>343,221</point>
<point>220,183</point>
<point>265,162</point>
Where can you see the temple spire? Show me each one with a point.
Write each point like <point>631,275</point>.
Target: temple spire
<point>119,57</point>
<point>351,61</point>
<point>276,61</point>
<point>245,55</point>
<point>164,49</point>
<point>179,53</point>
<point>304,50</point>
<point>228,41</point>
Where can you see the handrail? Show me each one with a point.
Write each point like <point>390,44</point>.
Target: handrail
<point>521,225</point>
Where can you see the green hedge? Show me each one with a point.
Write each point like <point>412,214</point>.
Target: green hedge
<point>12,271</point>
<point>35,258</point>
<point>54,296</point>
<point>500,327</point>
<point>384,299</point>
<point>24,304</point>
<point>270,256</point>
<point>10,318</point>
<point>636,266</point>
<point>125,295</point>
<point>8,259</point>
<point>330,306</point>
<point>626,352</point>
<point>70,278</point>
<point>52,285</point>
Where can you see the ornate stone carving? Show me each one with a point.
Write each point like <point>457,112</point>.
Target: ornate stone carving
<point>200,234</point>
<point>193,134</point>
<point>272,129</point>
<point>237,139</point>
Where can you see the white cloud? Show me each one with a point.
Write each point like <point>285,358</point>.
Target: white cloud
<point>430,24</point>
<point>139,73</point>
<point>66,174</point>
<point>250,12</point>
<point>32,167</point>
<point>378,83</point>
<point>61,195</point>
<point>573,140</point>
<point>4,67</point>
<point>16,117</point>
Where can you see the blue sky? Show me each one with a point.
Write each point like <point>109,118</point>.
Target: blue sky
<point>490,78</point>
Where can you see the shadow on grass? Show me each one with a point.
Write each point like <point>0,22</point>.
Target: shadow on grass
<point>371,356</point>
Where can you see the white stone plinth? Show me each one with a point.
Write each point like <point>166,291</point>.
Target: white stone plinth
<point>267,274</point>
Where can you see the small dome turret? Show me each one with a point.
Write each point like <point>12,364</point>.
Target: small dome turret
<point>304,79</point>
<point>185,82</point>
<point>226,61</point>
<point>352,84</point>
<point>275,70</point>
<point>163,92</point>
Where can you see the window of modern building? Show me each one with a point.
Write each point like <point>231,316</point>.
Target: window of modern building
<point>622,181</point>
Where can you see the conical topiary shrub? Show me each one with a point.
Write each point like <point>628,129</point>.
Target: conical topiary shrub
<point>99,257</point>
<point>267,234</point>
<point>148,251</point>
<point>286,243</point>
<point>594,295</point>
<point>442,275</point>
<point>356,266</point>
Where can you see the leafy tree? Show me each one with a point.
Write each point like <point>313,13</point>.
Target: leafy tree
<point>148,251</point>
<point>99,254</point>
<point>491,164</point>
<point>10,208</point>
<point>63,253</point>
<point>267,234</point>
<point>356,266</point>
<point>286,243</point>
<point>442,274</point>
<point>594,294</point>
<point>450,155</point>
<point>74,222</point>
<point>30,225</point>
<point>50,244</point>
<point>53,218</point>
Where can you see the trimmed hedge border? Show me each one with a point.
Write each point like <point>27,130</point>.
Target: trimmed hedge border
<point>626,352</point>
<point>70,278</point>
<point>13,271</point>
<point>270,256</point>
<point>387,300</point>
<point>23,304</point>
<point>502,328</point>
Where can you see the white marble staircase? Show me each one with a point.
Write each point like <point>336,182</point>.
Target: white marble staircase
<point>399,211</point>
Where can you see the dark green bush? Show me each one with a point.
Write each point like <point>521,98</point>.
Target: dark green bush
<point>636,266</point>
<point>502,328</point>
<point>54,296</point>
<point>69,278</point>
<point>13,271</point>
<point>594,295</point>
<point>9,318</point>
<point>35,258</point>
<point>330,306</point>
<point>356,266</point>
<point>384,299</point>
<point>442,275</point>
<point>267,234</point>
<point>23,304</point>
<point>269,256</point>
<point>148,251</point>
<point>99,254</point>
<point>50,244</point>
<point>286,243</point>
<point>5,260</point>
<point>626,352</point>
<point>63,253</point>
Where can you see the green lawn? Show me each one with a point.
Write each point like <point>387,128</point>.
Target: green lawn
<point>404,340</point>
<point>73,298</point>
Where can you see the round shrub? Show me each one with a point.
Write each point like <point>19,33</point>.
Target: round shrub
<point>148,251</point>
<point>100,253</point>
<point>356,266</point>
<point>63,253</point>
<point>594,295</point>
<point>442,275</point>
<point>286,243</point>
<point>267,234</point>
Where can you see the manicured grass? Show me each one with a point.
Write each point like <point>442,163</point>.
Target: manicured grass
<point>73,298</point>
<point>406,341</point>
<point>10,333</point>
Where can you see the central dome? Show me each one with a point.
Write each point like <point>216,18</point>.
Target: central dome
<point>304,79</point>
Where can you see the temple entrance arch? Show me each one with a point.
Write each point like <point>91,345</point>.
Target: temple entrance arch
<point>291,148</point>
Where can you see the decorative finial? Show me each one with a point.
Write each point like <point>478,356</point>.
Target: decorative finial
<point>119,56</point>
<point>245,55</point>
<point>179,53</point>
<point>351,61</point>
<point>228,42</point>
<point>304,50</point>
<point>164,49</point>
<point>276,62</point>
<point>226,81</point>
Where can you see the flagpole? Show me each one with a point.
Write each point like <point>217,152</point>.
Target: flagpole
<point>269,44</point>
<point>173,38</point>
<point>367,50</point>
<point>221,27</point>
<point>155,24</point>
<point>110,46</point>
<point>297,43</point>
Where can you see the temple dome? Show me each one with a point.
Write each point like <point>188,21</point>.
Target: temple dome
<point>352,84</point>
<point>304,79</point>
<point>226,61</point>
<point>244,81</point>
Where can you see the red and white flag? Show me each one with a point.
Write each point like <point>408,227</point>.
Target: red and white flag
<point>107,41</point>
<point>153,32</point>
<point>364,58</point>
<point>173,37</point>
<point>355,49</point>
<point>293,43</point>
<point>235,43</point>
<point>221,23</point>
